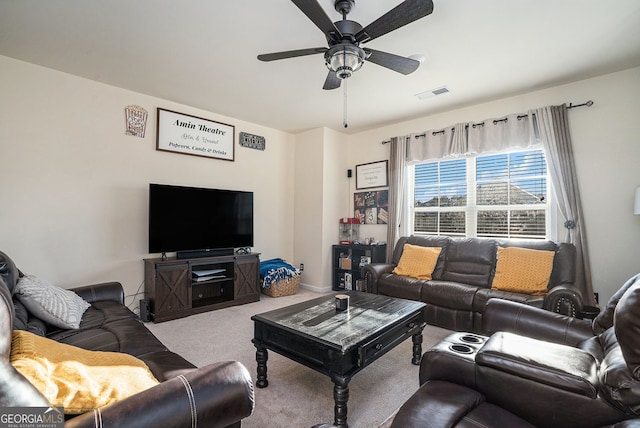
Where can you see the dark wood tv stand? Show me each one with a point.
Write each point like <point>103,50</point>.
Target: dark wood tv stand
<point>178,288</point>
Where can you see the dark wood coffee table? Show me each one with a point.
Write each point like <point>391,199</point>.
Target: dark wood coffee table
<point>338,344</point>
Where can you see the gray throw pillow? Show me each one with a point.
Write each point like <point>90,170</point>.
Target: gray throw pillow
<point>55,305</point>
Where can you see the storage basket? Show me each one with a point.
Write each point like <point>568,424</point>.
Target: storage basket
<point>284,287</point>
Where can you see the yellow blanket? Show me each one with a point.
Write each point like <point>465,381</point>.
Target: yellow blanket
<point>77,379</point>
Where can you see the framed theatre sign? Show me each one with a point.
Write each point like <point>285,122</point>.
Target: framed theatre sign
<point>191,135</point>
<point>369,175</point>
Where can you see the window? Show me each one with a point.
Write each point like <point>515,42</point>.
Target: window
<point>500,195</point>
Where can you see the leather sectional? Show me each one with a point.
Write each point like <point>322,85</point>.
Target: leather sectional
<point>461,281</point>
<point>217,395</point>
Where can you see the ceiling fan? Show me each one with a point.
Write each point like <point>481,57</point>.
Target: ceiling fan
<point>344,54</point>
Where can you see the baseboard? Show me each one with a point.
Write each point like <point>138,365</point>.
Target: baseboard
<point>315,289</point>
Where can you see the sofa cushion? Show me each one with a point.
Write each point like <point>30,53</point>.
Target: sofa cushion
<point>77,379</point>
<point>484,294</point>
<point>470,261</point>
<point>452,295</point>
<point>24,321</point>
<point>417,261</point>
<point>522,270</point>
<point>110,326</point>
<point>20,315</point>
<point>403,287</point>
<point>57,306</point>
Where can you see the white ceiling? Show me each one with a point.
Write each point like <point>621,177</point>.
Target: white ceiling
<point>202,53</point>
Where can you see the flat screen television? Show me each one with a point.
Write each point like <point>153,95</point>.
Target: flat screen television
<point>194,220</point>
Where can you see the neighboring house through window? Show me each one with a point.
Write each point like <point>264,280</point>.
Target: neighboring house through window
<point>504,195</point>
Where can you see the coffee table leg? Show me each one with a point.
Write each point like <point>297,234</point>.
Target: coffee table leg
<point>261,358</point>
<point>340,396</point>
<point>417,348</point>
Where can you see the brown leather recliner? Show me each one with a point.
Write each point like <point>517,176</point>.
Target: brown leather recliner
<point>217,395</point>
<point>542,368</point>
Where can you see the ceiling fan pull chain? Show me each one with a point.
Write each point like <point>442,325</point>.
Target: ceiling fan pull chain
<point>344,113</point>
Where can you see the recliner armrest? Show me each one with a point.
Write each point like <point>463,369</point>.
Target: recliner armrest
<point>371,272</point>
<point>513,317</point>
<point>217,395</point>
<point>103,291</point>
<point>545,383</point>
<point>564,299</point>
<point>563,367</point>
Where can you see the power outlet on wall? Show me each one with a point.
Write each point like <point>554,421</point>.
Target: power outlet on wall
<point>301,267</point>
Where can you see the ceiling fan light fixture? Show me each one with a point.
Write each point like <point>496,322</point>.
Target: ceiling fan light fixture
<point>344,60</point>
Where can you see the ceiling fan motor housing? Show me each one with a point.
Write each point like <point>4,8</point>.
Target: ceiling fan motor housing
<point>344,59</point>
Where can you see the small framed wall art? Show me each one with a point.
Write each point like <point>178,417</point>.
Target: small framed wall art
<point>191,135</point>
<point>370,175</point>
<point>136,120</point>
<point>371,207</point>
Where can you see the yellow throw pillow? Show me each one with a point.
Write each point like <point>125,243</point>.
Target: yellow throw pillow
<point>77,379</point>
<point>417,261</point>
<point>521,270</point>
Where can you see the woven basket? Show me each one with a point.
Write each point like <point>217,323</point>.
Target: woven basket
<point>284,287</point>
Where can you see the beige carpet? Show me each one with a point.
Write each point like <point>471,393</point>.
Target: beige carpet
<point>296,396</point>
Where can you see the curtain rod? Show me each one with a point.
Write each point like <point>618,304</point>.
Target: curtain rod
<point>496,121</point>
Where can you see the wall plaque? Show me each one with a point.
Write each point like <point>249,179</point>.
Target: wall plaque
<point>252,141</point>
<point>191,135</point>
<point>372,174</point>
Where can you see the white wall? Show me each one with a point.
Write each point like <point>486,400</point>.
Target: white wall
<point>335,197</point>
<point>308,201</point>
<point>607,151</point>
<point>75,194</point>
<point>75,186</point>
<point>321,198</point>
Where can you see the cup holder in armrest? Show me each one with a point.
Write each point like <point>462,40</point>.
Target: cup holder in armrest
<point>472,338</point>
<point>461,348</point>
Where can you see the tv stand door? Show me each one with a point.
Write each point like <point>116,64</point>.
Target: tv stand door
<point>172,287</point>
<point>247,278</point>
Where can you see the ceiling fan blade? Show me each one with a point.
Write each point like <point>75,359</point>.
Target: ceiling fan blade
<point>332,81</point>
<point>318,16</point>
<point>393,62</point>
<point>290,54</point>
<point>401,15</point>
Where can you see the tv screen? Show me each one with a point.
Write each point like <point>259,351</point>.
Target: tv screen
<point>192,218</point>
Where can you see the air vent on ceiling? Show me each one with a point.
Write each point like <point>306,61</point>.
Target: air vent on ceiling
<point>432,93</point>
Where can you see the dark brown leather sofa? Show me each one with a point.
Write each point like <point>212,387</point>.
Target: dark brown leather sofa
<point>461,284</point>
<point>534,368</point>
<point>217,395</point>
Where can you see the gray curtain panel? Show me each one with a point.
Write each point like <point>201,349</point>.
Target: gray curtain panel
<point>397,196</point>
<point>551,127</point>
